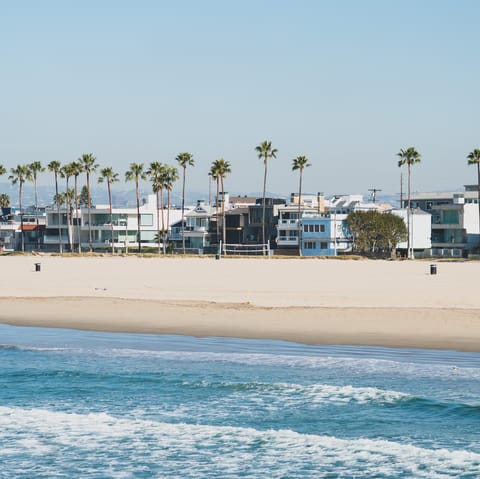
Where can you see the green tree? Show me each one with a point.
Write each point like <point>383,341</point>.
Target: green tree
<point>4,200</point>
<point>184,160</point>
<point>137,173</point>
<point>220,168</point>
<point>409,157</point>
<point>89,166</point>
<point>156,173</point>
<point>265,151</point>
<point>300,163</point>
<point>36,168</point>
<point>55,167</point>
<point>474,159</point>
<point>19,175</point>
<point>109,176</point>
<point>374,233</point>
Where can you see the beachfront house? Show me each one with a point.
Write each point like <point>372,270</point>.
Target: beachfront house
<point>455,228</point>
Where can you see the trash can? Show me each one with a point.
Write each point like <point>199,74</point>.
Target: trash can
<point>433,269</point>
<point>37,267</point>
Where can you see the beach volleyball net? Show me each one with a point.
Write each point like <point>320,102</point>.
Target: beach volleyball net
<point>245,249</point>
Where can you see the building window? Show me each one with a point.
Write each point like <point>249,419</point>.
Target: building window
<point>310,244</point>
<point>146,220</point>
<point>323,245</point>
<point>305,228</point>
<point>322,228</point>
<point>317,228</point>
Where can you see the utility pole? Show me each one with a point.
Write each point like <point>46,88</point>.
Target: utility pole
<point>374,193</point>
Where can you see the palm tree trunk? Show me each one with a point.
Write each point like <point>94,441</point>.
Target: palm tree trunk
<point>183,210</point>
<point>60,244</point>
<point>168,211</point>
<point>224,229</point>
<point>21,215</point>
<point>89,215</point>
<point>216,210</point>
<point>299,212</point>
<point>264,192</point>
<point>139,239</point>
<point>408,214</point>
<point>158,222</point>
<point>111,216</point>
<point>163,221</point>
<point>37,233</point>
<point>79,244</point>
<point>69,220</point>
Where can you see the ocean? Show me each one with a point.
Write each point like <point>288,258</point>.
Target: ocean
<point>77,404</point>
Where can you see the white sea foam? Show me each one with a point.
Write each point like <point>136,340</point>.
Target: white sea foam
<point>129,445</point>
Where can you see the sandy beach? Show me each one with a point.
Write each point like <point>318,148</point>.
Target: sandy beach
<point>315,301</point>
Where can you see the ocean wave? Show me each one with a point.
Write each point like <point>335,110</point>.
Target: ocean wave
<point>59,441</point>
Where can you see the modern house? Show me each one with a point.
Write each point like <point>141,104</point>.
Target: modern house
<point>455,228</point>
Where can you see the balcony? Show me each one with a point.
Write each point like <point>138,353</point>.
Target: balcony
<point>287,240</point>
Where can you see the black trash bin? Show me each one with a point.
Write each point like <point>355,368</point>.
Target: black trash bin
<point>37,267</point>
<point>433,269</point>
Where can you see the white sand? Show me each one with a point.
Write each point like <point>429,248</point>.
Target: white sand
<point>394,303</point>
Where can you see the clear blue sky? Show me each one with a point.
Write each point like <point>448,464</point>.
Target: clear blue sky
<point>345,82</point>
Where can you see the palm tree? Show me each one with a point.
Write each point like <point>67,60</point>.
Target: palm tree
<point>265,151</point>
<point>4,200</point>
<point>213,173</point>
<point>36,168</point>
<point>299,163</point>
<point>171,176</point>
<point>220,168</point>
<point>89,166</point>
<point>184,160</point>
<point>19,175</point>
<point>67,172</point>
<point>136,173</point>
<point>2,170</point>
<point>409,156</point>
<point>474,159</point>
<point>157,176</point>
<point>107,174</point>
<point>55,168</point>
<point>76,169</point>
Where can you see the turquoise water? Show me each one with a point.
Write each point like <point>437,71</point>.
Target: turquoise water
<point>99,405</point>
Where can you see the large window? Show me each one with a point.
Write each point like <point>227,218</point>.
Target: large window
<point>146,220</point>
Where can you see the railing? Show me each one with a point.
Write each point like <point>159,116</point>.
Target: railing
<point>288,239</point>
<point>288,222</point>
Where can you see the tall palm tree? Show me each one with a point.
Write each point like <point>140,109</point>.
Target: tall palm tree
<point>36,168</point>
<point>184,160</point>
<point>136,173</point>
<point>408,157</point>
<point>157,176</point>
<point>299,163</point>
<point>221,167</point>
<point>265,151</point>
<point>107,174</point>
<point>67,171</point>
<point>19,175</point>
<point>76,169</point>
<point>213,173</point>
<point>474,159</point>
<point>89,166</point>
<point>171,176</point>
<point>55,168</point>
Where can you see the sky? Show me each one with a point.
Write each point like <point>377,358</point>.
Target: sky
<point>343,82</point>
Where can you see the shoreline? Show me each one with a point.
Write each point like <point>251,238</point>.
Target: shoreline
<point>388,327</point>
<point>361,302</point>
